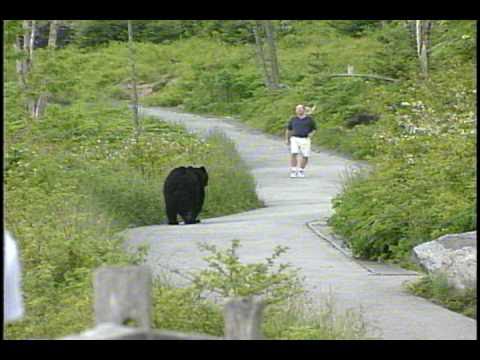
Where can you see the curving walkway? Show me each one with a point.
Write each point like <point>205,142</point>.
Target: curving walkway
<point>290,205</point>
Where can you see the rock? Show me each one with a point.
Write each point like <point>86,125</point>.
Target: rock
<point>454,255</point>
<point>412,129</point>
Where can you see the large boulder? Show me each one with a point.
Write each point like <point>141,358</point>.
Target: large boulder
<point>453,255</point>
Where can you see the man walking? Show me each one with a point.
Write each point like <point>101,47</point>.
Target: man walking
<point>298,134</point>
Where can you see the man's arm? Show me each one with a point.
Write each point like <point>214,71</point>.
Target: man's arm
<point>288,131</point>
<point>314,128</point>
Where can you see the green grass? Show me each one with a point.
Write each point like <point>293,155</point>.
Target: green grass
<point>301,320</point>
<point>436,289</point>
<point>185,310</point>
<point>78,177</point>
<point>66,201</point>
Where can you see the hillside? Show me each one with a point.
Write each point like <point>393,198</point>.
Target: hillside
<point>422,146</point>
<point>78,174</point>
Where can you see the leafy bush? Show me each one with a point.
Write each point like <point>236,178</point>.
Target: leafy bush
<point>354,27</point>
<point>396,57</point>
<point>381,219</point>
<point>97,32</point>
<point>228,277</point>
<point>169,96</point>
<point>184,309</point>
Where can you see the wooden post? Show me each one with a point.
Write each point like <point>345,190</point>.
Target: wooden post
<point>123,293</point>
<point>243,317</point>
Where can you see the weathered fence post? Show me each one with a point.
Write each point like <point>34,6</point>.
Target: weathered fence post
<point>123,293</point>
<point>243,317</point>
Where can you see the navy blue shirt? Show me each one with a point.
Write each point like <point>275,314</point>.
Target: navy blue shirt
<point>301,127</point>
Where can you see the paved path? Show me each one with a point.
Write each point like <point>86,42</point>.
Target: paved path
<point>290,204</point>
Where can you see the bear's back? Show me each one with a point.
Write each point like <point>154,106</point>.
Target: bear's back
<point>181,179</point>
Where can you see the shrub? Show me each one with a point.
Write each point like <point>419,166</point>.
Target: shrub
<point>289,314</point>
<point>228,277</point>
<point>381,219</point>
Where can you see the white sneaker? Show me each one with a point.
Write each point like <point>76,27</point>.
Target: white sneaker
<point>300,174</point>
<point>293,174</point>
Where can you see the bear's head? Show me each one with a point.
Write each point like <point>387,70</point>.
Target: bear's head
<point>204,175</point>
<point>201,173</point>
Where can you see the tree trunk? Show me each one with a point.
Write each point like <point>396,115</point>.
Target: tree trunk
<point>423,28</point>
<point>32,41</point>
<point>28,34</point>
<point>40,104</point>
<point>27,63</point>
<point>20,63</point>
<point>419,35</point>
<point>270,35</point>
<point>52,36</point>
<point>260,53</point>
<point>134,78</point>
<point>475,72</point>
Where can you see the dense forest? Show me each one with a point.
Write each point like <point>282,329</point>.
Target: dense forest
<point>78,167</point>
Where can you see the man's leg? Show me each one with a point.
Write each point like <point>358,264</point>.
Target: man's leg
<point>293,157</point>
<point>293,160</point>
<point>303,162</point>
<point>305,152</point>
<point>293,165</point>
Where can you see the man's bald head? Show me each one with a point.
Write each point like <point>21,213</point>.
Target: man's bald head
<point>300,109</point>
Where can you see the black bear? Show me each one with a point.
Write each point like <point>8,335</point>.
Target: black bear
<point>184,192</point>
<point>361,118</point>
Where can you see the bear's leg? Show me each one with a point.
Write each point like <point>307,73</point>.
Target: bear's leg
<point>199,205</point>
<point>188,217</point>
<point>172,215</point>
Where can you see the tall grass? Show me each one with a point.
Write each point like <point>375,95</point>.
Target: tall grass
<point>66,201</point>
<point>437,289</point>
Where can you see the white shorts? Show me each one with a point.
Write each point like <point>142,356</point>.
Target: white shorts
<point>300,145</point>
